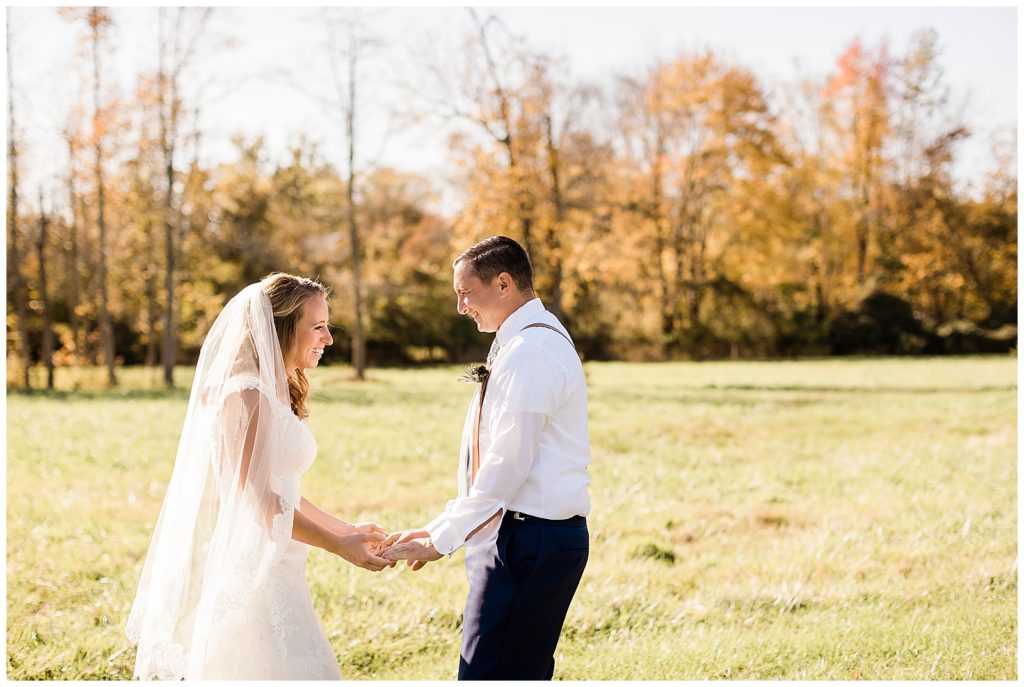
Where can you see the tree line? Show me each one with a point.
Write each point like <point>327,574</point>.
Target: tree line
<point>687,211</point>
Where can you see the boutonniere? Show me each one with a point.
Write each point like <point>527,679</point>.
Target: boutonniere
<point>475,374</point>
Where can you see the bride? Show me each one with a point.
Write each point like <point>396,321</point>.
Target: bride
<point>223,593</point>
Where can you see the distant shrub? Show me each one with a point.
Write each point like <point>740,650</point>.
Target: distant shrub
<point>962,337</point>
<point>882,324</point>
<point>656,552</point>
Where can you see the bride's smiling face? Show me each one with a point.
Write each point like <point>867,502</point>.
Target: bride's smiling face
<point>312,335</point>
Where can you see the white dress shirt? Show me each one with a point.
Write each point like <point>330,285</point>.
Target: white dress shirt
<point>534,442</point>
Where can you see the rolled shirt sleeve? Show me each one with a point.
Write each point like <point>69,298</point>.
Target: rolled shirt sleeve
<point>521,396</point>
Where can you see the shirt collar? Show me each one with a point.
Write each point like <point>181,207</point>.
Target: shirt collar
<point>521,317</point>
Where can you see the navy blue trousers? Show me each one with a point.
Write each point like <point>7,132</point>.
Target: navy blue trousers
<point>518,598</point>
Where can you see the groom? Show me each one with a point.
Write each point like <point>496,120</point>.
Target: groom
<point>523,500</point>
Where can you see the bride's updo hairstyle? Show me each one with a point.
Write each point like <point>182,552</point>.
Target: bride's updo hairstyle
<point>287,294</point>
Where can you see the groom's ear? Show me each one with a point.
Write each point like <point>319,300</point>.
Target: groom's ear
<point>505,283</point>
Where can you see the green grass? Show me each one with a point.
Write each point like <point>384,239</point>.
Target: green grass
<point>840,519</point>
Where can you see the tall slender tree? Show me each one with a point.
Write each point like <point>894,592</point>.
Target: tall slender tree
<point>98,21</point>
<point>15,282</point>
<point>560,106</point>
<point>861,88</point>
<point>72,138</point>
<point>168,120</point>
<point>44,292</point>
<point>178,43</point>
<point>345,64</point>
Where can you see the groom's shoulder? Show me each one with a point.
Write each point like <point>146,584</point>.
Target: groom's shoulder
<point>525,348</point>
<point>541,344</point>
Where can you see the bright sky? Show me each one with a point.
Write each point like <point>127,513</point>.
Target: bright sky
<point>273,47</point>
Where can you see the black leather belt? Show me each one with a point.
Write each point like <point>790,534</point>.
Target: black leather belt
<point>574,520</point>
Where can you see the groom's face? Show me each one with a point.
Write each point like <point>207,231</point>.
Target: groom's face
<point>483,301</point>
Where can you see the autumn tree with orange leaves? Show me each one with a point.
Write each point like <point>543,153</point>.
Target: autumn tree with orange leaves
<point>685,210</point>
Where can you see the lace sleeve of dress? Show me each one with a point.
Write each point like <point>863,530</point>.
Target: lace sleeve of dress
<point>237,384</point>
<point>252,464</point>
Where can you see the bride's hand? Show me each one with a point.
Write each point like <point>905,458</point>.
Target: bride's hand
<point>355,548</point>
<point>342,528</point>
<point>368,527</point>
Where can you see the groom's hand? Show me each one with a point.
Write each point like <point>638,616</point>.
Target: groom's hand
<point>404,535</point>
<point>418,551</point>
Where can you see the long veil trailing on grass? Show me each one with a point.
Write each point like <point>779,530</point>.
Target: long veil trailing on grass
<point>227,516</point>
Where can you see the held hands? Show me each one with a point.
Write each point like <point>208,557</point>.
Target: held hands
<point>368,545</point>
<point>369,528</point>
<point>361,549</point>
<point>360,543</point>
<point>412,546</point>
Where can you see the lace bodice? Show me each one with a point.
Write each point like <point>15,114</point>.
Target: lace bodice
<point>296,450</point>
<point>295,440</point>
<point>291,439</point>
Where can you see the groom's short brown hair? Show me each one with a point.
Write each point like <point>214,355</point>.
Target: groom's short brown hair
<point>498,254</point>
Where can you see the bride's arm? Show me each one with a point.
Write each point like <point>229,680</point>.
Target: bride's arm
<point>340,527</point>
<point>328,522</point>
<point>351,547</point>
<point>243,413</point>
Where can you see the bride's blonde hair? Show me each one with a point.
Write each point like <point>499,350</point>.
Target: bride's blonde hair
<point>287,294</point>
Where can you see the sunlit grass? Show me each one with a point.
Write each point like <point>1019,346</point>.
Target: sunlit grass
<point>835,519</point>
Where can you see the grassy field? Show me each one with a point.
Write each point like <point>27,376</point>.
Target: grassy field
<point>803,520</point>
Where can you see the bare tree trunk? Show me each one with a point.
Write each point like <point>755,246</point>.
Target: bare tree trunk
<point>44,297</point>
<point>16,286</point>
<point>168,110</point>
<point>684,232</point>
<point>697,280</point>
<point>181,274</point>
<point>182,47</point>
<point>168,351</point>
<point>554,240</point>
<point>71,268</point>
<point>679,253</point>
<point>523,206</point>
<point>862,239</point>
<point>668,322</point>
<point>152,304</point>
<point>358,334</point>
<point>863,227</point>
<point>106,329</point>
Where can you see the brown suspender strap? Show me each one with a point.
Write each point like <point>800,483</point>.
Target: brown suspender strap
<point>474,451</point>
<point>548,326</point>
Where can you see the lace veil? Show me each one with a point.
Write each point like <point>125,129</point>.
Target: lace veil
<point>227,516</point>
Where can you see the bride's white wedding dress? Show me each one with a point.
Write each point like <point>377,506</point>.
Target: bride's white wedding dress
<point>223,591</point>
<point>277,635</point>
